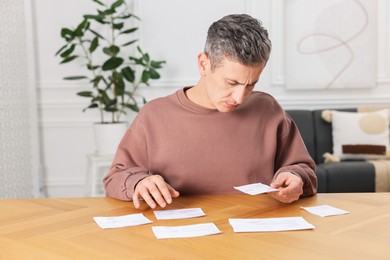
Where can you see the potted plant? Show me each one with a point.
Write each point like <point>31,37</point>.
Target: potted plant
<point>115,66</point>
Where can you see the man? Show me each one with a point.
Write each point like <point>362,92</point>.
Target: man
<point>207,138</point>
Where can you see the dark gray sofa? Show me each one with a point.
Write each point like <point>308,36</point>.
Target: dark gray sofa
<point>345,176</point>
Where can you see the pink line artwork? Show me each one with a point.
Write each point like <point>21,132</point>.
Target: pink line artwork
<point>335,42</point>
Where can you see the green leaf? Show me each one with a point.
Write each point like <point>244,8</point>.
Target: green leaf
<point>75,77</point>
<point>130,42</point>
<point>135,17</point>
<point>97,18</point>
<point>107,51</point>
<point>93,105</point>
<point>119,87</point>
<point>68,59</point>
<point>112,63</point>
<point>96,80</point>
<point>67,34</point>
<point>94,44</point>
<point>117,26</point>
<point>139,50</point>
<point>112,50</point>
<point>98,2</point>
<point>145,77</point>
<point>107,12</point>
<point>97,34</point>
<point>105,98</point>
<point>154,74</point>
<point>128,74</point>
<point>68,51</point>
<point>111,102</point>
<point>85,93</point>
<point>117,4</point>
<point>129,30</point>
<point>110,105</point>
<point>110,109</point>
<point>146,57</point>
<point>97,99</point>
<point>81,27</point>
<point>91,67</point>
<point>156,64</point>
<point>124,17</point>
<point>133,107</point>
<point>63,47</point>
<point>137,61</point>
<point>93,17</point>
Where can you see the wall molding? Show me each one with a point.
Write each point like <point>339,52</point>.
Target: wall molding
<point>64,182</point>
<point>65,187</point>
<point>67,123</point>
<point>315,102</point>
<point>80,85</point>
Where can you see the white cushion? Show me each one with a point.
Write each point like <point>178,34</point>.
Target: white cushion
<point>363,133</point>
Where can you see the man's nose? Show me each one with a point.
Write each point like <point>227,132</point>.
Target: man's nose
<point>238,94</point>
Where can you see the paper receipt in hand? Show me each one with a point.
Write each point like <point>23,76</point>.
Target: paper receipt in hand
<point>255,188</point>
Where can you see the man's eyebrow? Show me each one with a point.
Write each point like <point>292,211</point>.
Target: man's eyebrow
<point>235,81</point>
<point>254,83</point>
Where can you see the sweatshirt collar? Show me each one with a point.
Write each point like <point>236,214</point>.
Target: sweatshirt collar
<point>184,101</point>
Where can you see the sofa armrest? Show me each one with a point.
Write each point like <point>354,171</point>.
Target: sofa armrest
<point>349,176</point>
<point>322,179</point>
<point>304,121</point>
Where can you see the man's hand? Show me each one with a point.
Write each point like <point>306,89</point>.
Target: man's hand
<point>152,190</point>
<point>290,187</point>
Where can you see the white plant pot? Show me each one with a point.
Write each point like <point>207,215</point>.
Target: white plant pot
<point>108,136</point>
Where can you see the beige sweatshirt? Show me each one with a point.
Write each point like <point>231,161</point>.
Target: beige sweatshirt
<point>199,150</point>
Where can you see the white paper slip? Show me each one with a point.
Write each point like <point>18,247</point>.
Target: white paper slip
<point>325,210</point>
<point>269,224</point>
<point>255,188</point>
<point>179,213</point>
<point>196,230</point>
<point>122,221</point>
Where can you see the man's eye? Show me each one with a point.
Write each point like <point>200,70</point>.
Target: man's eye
<point>249,88</point>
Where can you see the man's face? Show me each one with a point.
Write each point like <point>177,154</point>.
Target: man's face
<point>229,83</point>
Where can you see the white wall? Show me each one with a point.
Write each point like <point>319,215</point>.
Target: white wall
<point>172,30</point>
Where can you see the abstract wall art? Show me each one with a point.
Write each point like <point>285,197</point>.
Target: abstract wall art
<point>331,44</point>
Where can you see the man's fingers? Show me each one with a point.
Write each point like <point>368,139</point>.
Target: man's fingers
<point>287,195</point>
<point>149,200</point>
<point>136,200</point>
<point>164,194</point>
<point>167,192</point>
<point>174,193</point>
<point>154,190</point>
<point>142,190</point>
<point>290,185</point>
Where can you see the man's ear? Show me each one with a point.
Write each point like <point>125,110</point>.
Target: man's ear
<point>203,63</point>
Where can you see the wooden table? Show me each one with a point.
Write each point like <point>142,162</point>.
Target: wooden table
<point>63,228</point>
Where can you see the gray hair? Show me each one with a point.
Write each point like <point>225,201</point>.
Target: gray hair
<point>238,37</point>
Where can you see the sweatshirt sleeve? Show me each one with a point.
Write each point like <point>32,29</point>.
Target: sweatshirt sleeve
<point>292,156</point>
<point>130,164</point>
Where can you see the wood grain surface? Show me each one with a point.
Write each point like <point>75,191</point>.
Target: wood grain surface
<point>63,228</point>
